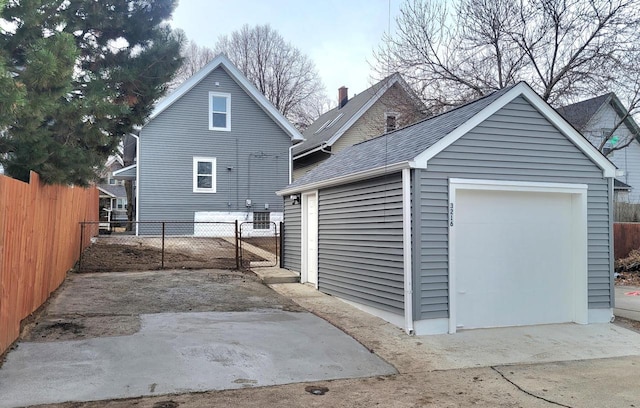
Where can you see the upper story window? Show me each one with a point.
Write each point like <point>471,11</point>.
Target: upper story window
<point>204,174</point>
<point>390,121</point>
<point>219,111</point>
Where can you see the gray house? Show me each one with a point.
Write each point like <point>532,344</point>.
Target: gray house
<point>213,150</point>
<point>496,213</point>
<point>596,119</point>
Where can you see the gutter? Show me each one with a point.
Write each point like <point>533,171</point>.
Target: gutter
<point>361,175</point>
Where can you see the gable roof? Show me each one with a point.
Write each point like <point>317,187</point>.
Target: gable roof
<point>112,191</point>
<point>222,61</point>
<point>331,125</point>
<point>414,145</point>
<point>580,114</point>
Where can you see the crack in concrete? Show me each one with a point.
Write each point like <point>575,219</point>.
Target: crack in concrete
<point>527,392</point>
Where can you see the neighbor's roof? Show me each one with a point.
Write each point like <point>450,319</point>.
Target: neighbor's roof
<point>113,191</point>
<point>328,128</point>
<point>579,114</point>
<point>619,185</point>
<point>414,145</point>
<point>126,173</point>
<point>222,61</point>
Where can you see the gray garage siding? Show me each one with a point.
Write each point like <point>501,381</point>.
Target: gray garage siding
<point>360,242</point>
<point>517,143</point>
<point>292,235</point>
<point>252,159</point>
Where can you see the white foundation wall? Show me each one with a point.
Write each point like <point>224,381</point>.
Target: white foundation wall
<point>245,221</point>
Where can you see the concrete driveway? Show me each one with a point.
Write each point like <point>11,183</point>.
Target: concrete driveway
<point>122,335</point>
<point>627,302</point>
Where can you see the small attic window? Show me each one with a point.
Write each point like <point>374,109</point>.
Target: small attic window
<point>390,121</point>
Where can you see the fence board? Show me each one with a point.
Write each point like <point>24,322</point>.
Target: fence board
<point>626,237</point>
<point>39,243</point>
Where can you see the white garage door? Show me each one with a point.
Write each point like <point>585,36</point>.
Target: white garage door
<point>514,258</point>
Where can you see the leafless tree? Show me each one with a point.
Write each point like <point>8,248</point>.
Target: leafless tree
<point>194,58</point>
<point>286,76</point>
<point>562,48</point>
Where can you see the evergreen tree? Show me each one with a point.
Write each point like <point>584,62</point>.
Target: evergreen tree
<point>91,71</point>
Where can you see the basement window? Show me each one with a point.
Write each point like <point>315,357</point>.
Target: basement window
<point>261,220</point>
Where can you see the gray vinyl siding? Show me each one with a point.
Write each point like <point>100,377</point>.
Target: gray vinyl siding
<point>251,159</point>
<point>292,235</point>
<point>360,243</point>
<point>516,143</point>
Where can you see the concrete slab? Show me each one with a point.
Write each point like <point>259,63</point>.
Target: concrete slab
<point>470,348</point>
<point>186,352</point>
<point>627,302</point>
<point>274,275</point>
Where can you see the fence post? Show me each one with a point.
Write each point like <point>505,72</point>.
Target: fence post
<point>237,249</point>
<point>281,244</point>
<point>162,259</point>
<point>81,245</point>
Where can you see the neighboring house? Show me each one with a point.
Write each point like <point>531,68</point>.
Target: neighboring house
<point>496,213</point>
<point>215,149</point>
<point>128,173</point>
<point>112,195</point>
<point>386,106</point>
<point>595,118</point>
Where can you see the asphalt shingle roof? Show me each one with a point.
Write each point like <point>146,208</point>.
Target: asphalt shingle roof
<point>396,147</point>
<point>116,190</point>
<point>352,107</point>
<point>579,114</point>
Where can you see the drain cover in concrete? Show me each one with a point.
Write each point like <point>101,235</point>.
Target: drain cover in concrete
<point>184,352</point>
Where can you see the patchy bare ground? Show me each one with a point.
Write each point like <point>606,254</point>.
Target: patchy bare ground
<point>128,253</point>
<point>109,304</point>
<point>628,279</point>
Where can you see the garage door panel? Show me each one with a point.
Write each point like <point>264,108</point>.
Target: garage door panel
<point>513,255</point>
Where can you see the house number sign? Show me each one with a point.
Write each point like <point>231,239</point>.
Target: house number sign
<point>451,214</point>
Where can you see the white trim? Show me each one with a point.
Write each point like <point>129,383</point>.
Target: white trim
<point>227,96</point>
<point>608,168</point>
<point>395,319</point>
<point>122,170</point>
<point>431,326</point>
<point>350,178</point>
<point>222,60</point>
<point>106,192</point>
<point>579,241</point>
<point>211,160</point>
<point>406,250</point>
<point>600,315</point>
<point>304,233</point>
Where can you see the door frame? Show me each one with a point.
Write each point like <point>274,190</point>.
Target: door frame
<point>578,194</point>
<point>304,273</point>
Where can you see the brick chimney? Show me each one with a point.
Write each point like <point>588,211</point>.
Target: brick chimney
<point>343,96</point>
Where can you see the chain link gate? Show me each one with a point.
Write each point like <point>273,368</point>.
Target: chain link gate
<point>259,243</point>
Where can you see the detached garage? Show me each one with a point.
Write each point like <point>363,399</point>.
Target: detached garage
<point>496,213</point>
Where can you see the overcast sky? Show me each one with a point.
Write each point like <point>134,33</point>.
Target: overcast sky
<point>338,35</point>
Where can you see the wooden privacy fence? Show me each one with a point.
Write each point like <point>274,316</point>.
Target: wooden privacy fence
<point>626,237</point>
<point>39,243</point>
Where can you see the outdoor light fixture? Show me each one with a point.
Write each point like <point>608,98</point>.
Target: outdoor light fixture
<point>295,198</point>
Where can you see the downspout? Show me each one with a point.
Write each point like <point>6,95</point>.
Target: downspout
<point>406,251</point>
<point>291,164</point>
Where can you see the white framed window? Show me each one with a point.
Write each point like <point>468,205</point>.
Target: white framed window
<point>204,174</point>
<point>219,111</point>
<point>390,121</point>
<point>112,181</point>
<point>121,203</point>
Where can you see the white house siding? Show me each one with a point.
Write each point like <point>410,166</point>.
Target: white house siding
<point>517,143</point>
<point>627,159</point>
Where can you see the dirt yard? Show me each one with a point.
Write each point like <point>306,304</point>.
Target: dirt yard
<point>129,253</point>
<point>103,304</point>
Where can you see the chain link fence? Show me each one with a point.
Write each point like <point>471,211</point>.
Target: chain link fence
<point>131,246</point>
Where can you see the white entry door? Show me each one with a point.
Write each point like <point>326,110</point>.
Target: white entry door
<point>310,238</point>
